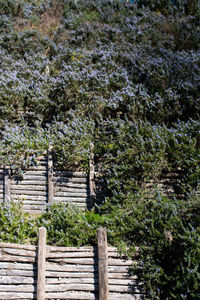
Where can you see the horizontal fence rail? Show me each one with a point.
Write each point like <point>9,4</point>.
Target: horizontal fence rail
<point>51,272</point>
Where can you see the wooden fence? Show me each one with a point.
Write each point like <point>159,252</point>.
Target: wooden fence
<point>168,183</point>
<point>51,272</point>
<point>43,184</point>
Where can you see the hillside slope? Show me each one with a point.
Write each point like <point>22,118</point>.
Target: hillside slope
<point>124,77</point>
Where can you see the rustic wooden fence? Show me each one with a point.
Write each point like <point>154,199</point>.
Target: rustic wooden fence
<point>168,183</point>
<point>43,184</point>
<point>51,272</point>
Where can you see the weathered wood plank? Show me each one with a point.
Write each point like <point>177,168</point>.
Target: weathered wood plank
<point>81,189</point>
<point>71,287</point>
<point>28,187</point>
<point>111,250</point>
<point>65,185</point>
<point>29,182</point>
<point>90,261</point>
<point>103,264</point>
<point>75,261</point>
<point>114,296</point>
<point>83,280</point>
<point>16,296</point>
<point>18,273</point>
<point>26,192</point>
<point>51,274</point>
<point>70,174</point>
<point>41,264</point>
<point>72,199</point>
<point>16,259</point>
<point>18,246</point>
<point>74,255</point>
<point>30,202</point>
<point>89,280</point>
<point>29,288</point>
<point>17,280</point>
<point>71,249</point>
<point>17,252</point>
<point>62,180</point>
<point>35,172</point>
<point>59,268</point>
<point>17,266</point>
<point>80,254</point>
<point>90,288</point>
<point>72,194</point>
<point>30,197</point>
<point>73,295</point>
<point>30,177</point>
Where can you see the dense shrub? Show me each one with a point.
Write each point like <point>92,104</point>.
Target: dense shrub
<point>16,226</point>
<point>25,143</point>
<point>169,252</point>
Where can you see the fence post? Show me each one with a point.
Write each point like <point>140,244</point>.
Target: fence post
<point>7,184</point>
<point>103,264</point>
<point>41,264</point>
<point>50,176</point>
<point>91,175</point>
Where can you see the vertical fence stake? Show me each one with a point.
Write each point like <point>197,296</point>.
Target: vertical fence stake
<point>91,175</point>
<point>103,264</point>
<point>7,184</point>
<point>41,264</point>
<point>50,176</point>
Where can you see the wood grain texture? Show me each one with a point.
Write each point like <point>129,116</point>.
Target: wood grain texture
<point>41,264</point>
<point>69,174</point>
<point>103,264</point>
<point>62,180</point>
<point>67,272</point>
<point>16,296</point>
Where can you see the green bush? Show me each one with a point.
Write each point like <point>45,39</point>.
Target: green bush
<point>16,226</point>
<point>67,226</point>
<point>167,232</point>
